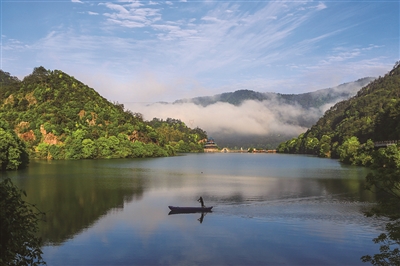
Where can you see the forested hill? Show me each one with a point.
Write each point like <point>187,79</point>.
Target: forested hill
<point>370,116</point>
<point>59,117</point>
<point>307,100</point>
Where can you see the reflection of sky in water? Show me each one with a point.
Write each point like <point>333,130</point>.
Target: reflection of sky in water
<point>268,209</point>
<point>256,233</point>
<point>268,165</point>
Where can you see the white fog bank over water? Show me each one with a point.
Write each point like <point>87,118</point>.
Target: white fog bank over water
<point>273,116</point>
<point>249,118</point>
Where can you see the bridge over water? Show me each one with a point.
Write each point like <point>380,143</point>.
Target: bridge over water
<point>386,143</point>
<point>227,150</point>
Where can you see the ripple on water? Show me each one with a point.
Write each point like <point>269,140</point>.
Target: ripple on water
<point>305,209</point>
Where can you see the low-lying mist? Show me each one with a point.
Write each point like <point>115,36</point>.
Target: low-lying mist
<point>224,120</point>
<point>256,123</point>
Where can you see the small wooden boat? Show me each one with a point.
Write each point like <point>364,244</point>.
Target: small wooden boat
<point>189,209</point>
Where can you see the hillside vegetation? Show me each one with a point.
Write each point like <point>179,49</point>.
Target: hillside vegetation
<point>349,129</point>
<point>59,117</point>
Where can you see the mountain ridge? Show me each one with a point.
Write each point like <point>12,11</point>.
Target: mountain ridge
<point>280,116</point>
<point>322,96</point>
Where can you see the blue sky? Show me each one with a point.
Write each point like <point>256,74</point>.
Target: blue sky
<point>148,51</point>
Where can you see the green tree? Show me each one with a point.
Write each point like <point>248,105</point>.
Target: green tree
<point>324,146</point>
<point>139,150</point>
<point>125,147</point>
<point>312,144</point>
<point>365,154</point>
<point>13,153</point>
<point>42,151</point>
<point>73,144</point>
<point>57,151</point>
<point>88,149</point>
<point>103,148</point>
<point>389,249</point>
<point>348,150</point>
<point>19,244</point>
<point>385,182</point>
<point>387,157</point>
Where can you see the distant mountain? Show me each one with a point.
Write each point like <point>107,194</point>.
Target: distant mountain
<point>372,114</point>
<point>279,116</point>
<point>307,100</point>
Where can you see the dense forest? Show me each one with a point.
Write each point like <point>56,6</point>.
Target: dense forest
<point>58,117</point>
<point>349,129</point>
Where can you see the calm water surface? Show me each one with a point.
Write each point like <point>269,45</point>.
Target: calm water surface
<point>269,209</point>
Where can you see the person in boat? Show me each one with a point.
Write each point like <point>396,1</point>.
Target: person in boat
<point>201,202</point>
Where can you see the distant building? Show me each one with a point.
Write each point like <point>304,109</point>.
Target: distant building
<point>210,146</point>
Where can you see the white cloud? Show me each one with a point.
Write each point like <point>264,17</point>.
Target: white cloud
<point>119,8</point>
<point>204,47</point>
<point>131,15</point>
<point>250,118</point>
<point>126,23</point>
<point>321,6</point>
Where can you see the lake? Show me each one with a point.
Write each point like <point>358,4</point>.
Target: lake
<point>269,209</point>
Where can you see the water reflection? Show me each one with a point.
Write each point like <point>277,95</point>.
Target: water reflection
<point>202,214</point>
<point>112,198</point>
<point>75,194</point>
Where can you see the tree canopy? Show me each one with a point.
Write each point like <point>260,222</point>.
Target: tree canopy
<point>384,181</point>
<point>13,154</point>
<point>19,244</point>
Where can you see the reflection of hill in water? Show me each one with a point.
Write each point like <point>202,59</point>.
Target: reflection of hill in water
<point>327,199</point>
<point>351,188</point>
<point>74,195</point>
